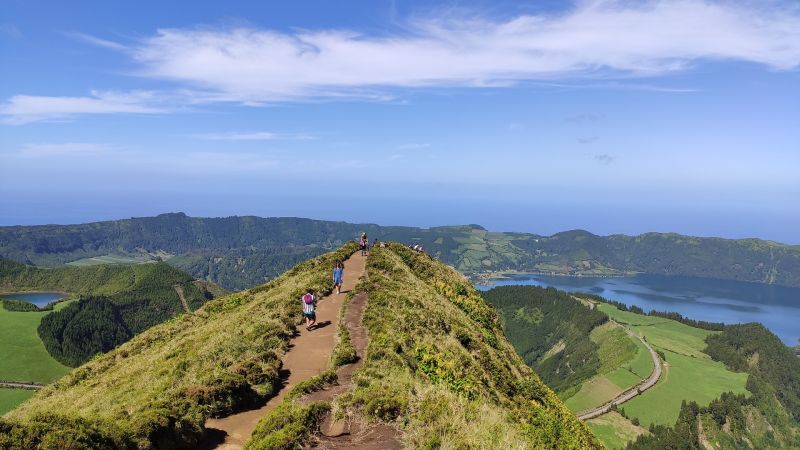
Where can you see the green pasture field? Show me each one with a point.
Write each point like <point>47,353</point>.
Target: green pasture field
<point>22,354</point>
<point>10,398</point>
<point>624,363</point>
<point>614,430</point>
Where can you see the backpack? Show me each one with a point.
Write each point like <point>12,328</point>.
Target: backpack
<point>308,299</point>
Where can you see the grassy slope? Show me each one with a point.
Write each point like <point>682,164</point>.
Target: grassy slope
<point>624,363</point>
<point>10,398</point>
<point>22,354</point>
<point>438,359</point>
<point>614,430</point>
<point>690,375</point>
<point>157,389</point>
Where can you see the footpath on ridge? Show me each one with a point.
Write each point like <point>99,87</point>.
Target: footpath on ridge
<point>309,354</point>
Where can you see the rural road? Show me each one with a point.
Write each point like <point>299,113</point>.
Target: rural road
<point>632,392</point>
<point>20,385</point>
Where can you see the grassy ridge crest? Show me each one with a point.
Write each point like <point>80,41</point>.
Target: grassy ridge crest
<point>156,390</point>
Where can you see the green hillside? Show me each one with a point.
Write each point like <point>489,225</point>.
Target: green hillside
<point>551,331</point>
<point>116,302</point>
<point>437,366</point>
<point>241,252</point>
<point>768,417</point>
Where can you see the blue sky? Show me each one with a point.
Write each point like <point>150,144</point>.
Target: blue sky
<point>541,116</point>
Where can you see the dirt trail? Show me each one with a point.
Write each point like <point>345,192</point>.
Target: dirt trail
<point>309,354</point>
<point>179,290</point>
<point>351,432</point>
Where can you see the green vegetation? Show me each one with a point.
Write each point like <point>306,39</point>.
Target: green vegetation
<point>118,302</point>
<point>241,252</point>
<point>690,374</point>
<point>550,330</point>
<point>752,348</point>
<point>156,390</point>
<point>765,419</point>
<point>614,430</point>
<point>10,398</point>
<point>19,306</point>
<point>440,368</point>
<point>23,357</point>
<point>625,362</point>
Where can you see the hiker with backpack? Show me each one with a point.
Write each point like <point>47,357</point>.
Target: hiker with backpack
<point>338,276</point>
<point>364,244</point>
<point>309,305</point>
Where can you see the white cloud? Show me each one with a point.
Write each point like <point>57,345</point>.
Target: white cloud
<point>605,37</point>
<point>96,41</point>
<point>594,42</point>
<point>254,136</point>
<point>73,149</point>
<point>21,109</point>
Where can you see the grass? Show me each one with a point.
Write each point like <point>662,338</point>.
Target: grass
<point>690,374</point>
<point>109,259</point>
<point>614,430</point>
<point>686,378</point>
<point>439,367</point>
<point>159,388</point>
<point>10,398</point>
<point>22,353</point>
<point>624,363</point>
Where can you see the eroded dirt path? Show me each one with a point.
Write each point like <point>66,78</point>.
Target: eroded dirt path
<point>351,432</point>
<point>309,354</point>
<point>179,291</point>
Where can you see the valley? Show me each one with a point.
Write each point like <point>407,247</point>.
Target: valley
<point>619,361</point>
<point>241,252</point>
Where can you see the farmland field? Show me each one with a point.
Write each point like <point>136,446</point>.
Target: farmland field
<point>10,398</point>
<point>22,353</point>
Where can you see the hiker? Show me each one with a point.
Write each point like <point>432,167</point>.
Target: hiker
<point>338,275</point>
<point>374,243</point>
<point>363,244</point>
<point>309,304</point>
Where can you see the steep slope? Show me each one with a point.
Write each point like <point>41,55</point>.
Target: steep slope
<point>117,302</point>
<point>437,367</point>
<point>241,252</point>
<point>551,331</point>
<point>156,390</point>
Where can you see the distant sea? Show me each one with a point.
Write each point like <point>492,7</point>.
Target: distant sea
<point>776,307</point>
<point>39,299</point>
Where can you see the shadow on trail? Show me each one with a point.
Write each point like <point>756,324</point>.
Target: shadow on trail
<point>320,325</point>
<point>212,439</point>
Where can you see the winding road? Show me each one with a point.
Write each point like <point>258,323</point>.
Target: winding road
<point>632,392</point>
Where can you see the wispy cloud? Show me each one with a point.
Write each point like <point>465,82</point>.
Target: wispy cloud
<point>413,146</point>
<point>254,136</point>
<point>96,41</point>
<point>21,109</point>
<point>601,37</point>
<point>10,30</point>
<point>72,149</point>
<point>588,140</point>
<point>595,42</point>
<point>604,158</point>
<point>584,118</point>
